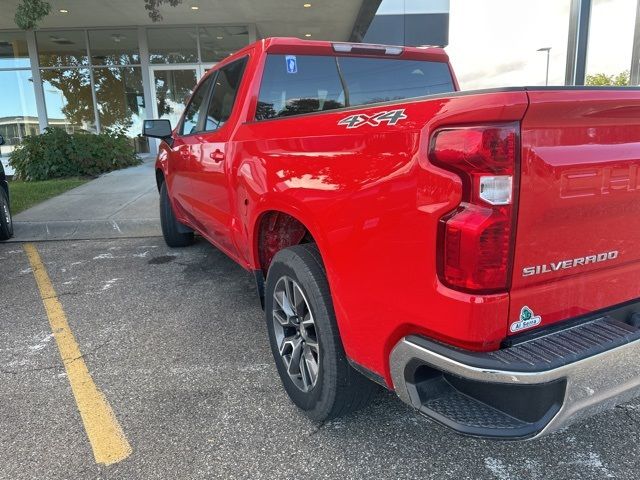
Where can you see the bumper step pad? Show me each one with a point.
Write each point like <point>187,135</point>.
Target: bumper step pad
<point>464,410</point>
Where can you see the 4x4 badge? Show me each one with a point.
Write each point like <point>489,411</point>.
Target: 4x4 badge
<point>527,320</point>
<point>391,118</point>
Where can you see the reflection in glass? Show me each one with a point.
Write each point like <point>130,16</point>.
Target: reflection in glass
<point>120,99</point>
<point>314,87</point>
<point>114,47</point>
<point>372,80</point>
<point>172,45</point>
<point>13,50</point>
<point>224,94</point>
<point>609,52</point>
<point>216,43</point>
<point>192,117</point>
<point>68,99</point>
<point>18,115</point>
<point>62,48</point>
<point>173,89</point>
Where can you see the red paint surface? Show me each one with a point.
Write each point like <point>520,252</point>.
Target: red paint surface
<point>579,196</point>
<point>372,201</point>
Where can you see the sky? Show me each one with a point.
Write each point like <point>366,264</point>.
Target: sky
<point>494,43</point>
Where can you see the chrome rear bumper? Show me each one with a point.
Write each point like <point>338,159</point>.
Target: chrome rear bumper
<point>592,383</point>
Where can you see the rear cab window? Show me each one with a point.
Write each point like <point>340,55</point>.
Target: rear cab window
<point>315,83</point>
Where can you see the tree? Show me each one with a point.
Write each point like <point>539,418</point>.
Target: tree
<point>602,79</point>
<point>153,7</point>
<point>30,12</point>
<point>117,97</point>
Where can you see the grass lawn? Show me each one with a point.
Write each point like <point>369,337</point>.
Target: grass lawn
<point>27,194</point>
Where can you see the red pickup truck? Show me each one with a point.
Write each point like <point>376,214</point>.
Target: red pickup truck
<point>476,252</point>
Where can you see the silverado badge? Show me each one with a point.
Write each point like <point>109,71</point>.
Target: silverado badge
<point>527,320</point>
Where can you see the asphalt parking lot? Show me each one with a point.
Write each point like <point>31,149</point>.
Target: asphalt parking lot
<point>175,341</point>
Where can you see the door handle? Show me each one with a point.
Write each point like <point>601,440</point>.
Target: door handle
<point>185,153</point>
<point>217,156</point>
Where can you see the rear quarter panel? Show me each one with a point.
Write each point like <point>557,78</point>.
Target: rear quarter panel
<point>372,201</point>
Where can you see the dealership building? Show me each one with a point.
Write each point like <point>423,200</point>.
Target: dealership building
<point>104,65</point>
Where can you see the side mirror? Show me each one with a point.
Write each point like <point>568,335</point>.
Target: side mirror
<point>1,140</point>
<point>157,129</point>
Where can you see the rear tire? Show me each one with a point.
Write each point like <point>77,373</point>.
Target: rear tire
<point>171,228</point>
<point>6,222</point>
<point>305,340</point>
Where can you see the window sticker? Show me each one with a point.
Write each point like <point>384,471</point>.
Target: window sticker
<point>292,64</point>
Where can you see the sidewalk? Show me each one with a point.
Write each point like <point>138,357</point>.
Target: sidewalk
<point>119,204</point>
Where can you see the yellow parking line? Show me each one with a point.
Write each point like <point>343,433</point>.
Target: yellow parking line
<point>105,434</point>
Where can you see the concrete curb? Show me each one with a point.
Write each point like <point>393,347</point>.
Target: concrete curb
<point>84,230</point>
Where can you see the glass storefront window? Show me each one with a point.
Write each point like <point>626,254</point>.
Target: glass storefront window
<point>68,98</point>
<point>120,99</point>
<point>109,59</point>
<point>609,50</point>
<point>217,43</point>
<point>114,47</point>
<point>13,50</point>
<point>172,89</point>
<point>172,45</point>
<point>62,48</point>
<point>18,114</point>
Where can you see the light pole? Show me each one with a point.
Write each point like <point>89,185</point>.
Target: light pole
<point>548,50</point>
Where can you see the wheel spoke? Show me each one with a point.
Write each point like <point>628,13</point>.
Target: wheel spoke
<point>288,344</point>
<point>281,317</point>
<point>309,327</point>
<point>296,354</point>
<point>311,363</point>
<point>285,304</point>
<point>308,322</point>
<point>312,343</point>
<point>299,303</point>
<point>304,373</point>
<point>288,295</point>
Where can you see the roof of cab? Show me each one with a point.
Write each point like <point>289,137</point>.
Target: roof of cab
<point>293,45</point>
<point>317,47</point>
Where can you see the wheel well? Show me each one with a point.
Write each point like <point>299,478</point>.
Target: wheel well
<point>278,230</point>
<point>159,178</point>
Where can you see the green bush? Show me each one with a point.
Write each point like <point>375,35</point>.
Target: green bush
<point>57,154</point>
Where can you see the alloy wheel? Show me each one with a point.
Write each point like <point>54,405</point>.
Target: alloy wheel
<point>295,332</point>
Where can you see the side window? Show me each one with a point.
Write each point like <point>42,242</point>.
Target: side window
<point>193,111</point>
<point>309,84</point>
<point>224,94</point>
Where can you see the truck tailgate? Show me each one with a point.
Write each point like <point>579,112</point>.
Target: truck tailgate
<point>577,244</point>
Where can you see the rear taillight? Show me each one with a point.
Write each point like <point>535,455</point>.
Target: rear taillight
<point>475,244</point>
